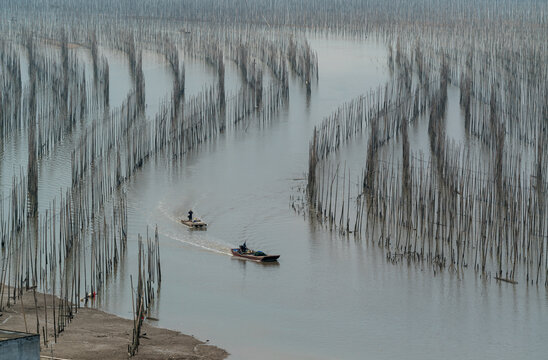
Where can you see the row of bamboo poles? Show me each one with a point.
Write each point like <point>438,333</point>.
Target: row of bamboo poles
<point>149,280</point>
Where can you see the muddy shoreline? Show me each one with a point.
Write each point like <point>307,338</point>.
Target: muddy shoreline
<point>94,334</point>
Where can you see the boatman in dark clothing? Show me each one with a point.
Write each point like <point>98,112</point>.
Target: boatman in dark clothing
<point>243,247</point>
<point>190,215</point>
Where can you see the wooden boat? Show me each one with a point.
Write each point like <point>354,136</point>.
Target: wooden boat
<point>258,256</point>
<point>195,223</point>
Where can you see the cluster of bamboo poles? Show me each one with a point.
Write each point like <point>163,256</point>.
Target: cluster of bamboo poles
<point>470,224</point>
<point>70,247</point>
<point>453,209</point>
<point>495,70</point>
<point>148,284</point>
<point>383,112</point>
<point>56,101</point>
<point>11,89</point>
<point>52,252</point>
<point>349,18</point>
<point>279,53</point>
<point>100,69</point>
<point>303,62</point>
<point>301,58</point>
<point>119,145</point>
<point>135,59</point>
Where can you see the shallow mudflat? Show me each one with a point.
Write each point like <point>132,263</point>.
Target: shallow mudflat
<point>94,334</point>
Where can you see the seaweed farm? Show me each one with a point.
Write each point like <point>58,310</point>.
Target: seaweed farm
<point>394,153</point>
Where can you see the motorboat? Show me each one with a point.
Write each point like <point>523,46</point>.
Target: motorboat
<point>259,256</point>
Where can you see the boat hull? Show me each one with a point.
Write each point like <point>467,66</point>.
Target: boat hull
<point>195,224</point>
<point>250,256</point>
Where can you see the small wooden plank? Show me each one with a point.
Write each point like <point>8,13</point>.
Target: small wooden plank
<point>507,280</point>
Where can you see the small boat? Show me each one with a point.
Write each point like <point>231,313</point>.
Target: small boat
<point>259,256</point>
<point>195,224</point>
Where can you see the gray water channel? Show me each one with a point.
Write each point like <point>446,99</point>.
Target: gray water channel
<point>329,297</point>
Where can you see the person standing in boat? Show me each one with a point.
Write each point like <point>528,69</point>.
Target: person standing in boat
<point>190,215</point>
<point>243,247</point>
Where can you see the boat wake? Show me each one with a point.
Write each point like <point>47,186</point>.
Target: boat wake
<point>199,239</point>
